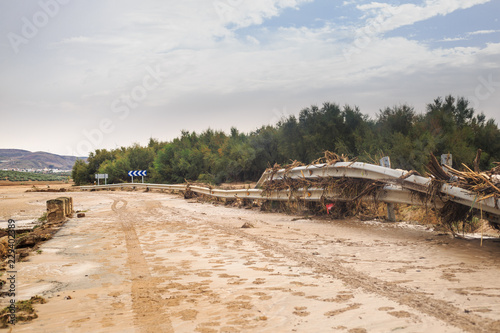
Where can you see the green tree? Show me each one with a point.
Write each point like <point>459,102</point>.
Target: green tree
<point>95,160</point>
<point>447,125</point>
<point>80,173</point>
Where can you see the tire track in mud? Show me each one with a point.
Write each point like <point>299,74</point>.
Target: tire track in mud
<point>419,301</point>
<point>146,302</point>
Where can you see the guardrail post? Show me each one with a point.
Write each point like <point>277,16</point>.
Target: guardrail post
<point>391,215</point>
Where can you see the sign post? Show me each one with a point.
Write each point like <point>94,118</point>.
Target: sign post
<point>101,176</point>
<point>447,159</point>
<point>385,161</point>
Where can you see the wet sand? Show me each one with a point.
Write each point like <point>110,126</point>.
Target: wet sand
<point>154,262</point>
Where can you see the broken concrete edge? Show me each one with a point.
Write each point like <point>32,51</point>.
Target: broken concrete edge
<point>27,241</point>
<point>25,244</point>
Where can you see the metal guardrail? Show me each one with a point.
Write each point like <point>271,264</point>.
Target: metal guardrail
<point>390,194</point>
<point>400,187</point>
<point>386,175</point>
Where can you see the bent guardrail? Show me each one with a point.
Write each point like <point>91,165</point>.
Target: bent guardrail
<point>399,186</point>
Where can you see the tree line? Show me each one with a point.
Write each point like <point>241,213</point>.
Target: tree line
<point>448,125</point>
<point>21,176</point>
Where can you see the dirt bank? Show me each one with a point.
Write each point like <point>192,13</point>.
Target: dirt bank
<point>153,262</point>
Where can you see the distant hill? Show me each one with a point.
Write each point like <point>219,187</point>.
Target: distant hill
<point>24,159</point>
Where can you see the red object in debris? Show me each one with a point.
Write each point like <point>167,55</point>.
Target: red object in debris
<point>329,207</point>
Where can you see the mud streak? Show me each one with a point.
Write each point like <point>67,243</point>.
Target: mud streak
<point>146,302</point>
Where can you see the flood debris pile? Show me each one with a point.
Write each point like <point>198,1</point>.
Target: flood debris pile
<point>34,188</point>
<point>351,196</point>
<point>330,158</point>
<point>347,192</point>
<point>329,184</point>
<point>485,184</point>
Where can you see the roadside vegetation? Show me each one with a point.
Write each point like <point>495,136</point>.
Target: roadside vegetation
<point>19,176</point>
<point>448,125</point>
<point>24,311</point>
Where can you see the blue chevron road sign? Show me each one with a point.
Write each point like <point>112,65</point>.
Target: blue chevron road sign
<point>138,173</point>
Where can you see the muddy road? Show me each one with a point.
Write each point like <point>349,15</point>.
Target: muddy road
<point>154,262</point>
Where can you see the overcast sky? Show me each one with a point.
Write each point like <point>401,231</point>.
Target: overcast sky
<point>80,75</point>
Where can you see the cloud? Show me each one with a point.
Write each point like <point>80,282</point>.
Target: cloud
<point>91,41</point>
<point>242,13</point>
<point>112,59</point>
<point>383,17</point>
<point>469,35</point>
<point>483,32</point>
<point>220,73</point>
<point>456,39</point>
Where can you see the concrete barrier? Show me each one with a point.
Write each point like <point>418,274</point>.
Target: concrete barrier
<point>59,209</point>
<point>68,205</point>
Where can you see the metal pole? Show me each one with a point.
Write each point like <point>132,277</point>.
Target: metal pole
<point>132,179</point>
<point>143,179</point>
<point>97,180</point>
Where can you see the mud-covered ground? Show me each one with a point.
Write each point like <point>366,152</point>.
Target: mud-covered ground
<point>154,262</point>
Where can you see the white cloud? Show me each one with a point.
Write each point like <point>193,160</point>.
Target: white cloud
<point>468,35</point>
<point>245,13</point>
<point>483,32</point>
<point>252,40</point>
<point>89,41</point>
<point>383,17</point>
<point>456,39</point>
<point>96,56</point>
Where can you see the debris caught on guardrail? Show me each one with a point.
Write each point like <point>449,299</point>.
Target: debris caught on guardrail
<point>330,158</point>
<point>485,184</point>
<point>357,187</point>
